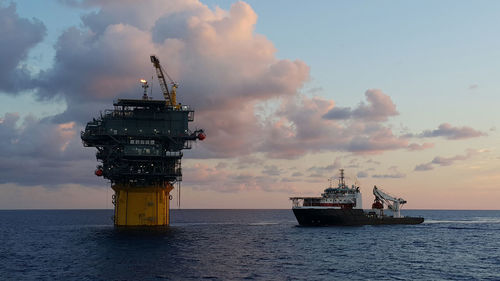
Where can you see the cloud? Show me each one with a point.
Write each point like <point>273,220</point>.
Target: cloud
<point>424,167</point>
<point>389,176</point>
<point>362,174</point>
<point>318,171</point>
<point>393,174</point>
<point>205,177</point>
<point>338,113</point>
<point>249,161</point>
<point>271,170</point>
<point>315,90</point>
<point>18,35</point>
<point>299,128</point>
<point>452,133</point>
<point>221,165</point>
<point>380,107</point>
<point>31,137</point>
<point>225,69</point>
<point>371,161</point>
<point>418,147</point>
<point>376,141</point>
<point>144,16</point>
<point>447,161</point>
<point>37,151</point>
<point>353,163</point>
<point>288,180</point>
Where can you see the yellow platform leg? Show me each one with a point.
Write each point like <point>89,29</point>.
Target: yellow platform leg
<point>142,206</point>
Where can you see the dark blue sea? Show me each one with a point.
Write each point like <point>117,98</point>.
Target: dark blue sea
<point>247,245</point>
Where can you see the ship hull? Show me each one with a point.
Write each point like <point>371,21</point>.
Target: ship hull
<point>344,217</point>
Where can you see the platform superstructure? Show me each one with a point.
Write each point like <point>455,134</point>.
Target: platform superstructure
<point>139,146</point>
<point>342,205</point>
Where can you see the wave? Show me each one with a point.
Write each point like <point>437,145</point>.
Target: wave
<point>488,220</point>
<point>264,223</point>
<point>201,223</point>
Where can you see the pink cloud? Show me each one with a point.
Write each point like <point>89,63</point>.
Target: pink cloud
<point>302,129</point>
<point>326,171</point>
<point>424,167</point>
<point>380,107</point>
<point>204,177</point>
<point>447,161</point>
<point>452,133</point>
<point>375,142</point>
<point>417,147</point>
<point>393,173</point>
<point>37,152</point>
<point>226,70</point>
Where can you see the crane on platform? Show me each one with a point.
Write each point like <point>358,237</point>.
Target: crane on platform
<point>170,95</point>
<point>392,202</point>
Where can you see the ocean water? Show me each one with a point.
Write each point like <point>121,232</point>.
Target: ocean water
<point>247,245</point>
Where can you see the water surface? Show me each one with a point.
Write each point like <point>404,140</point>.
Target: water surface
<point>247,244</point>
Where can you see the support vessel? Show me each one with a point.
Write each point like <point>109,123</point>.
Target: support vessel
<point>342,205</point>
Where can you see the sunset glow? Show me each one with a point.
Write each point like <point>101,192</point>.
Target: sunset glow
<point>286,97</point>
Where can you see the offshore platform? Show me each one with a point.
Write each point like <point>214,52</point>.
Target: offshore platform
<point>139,144</point>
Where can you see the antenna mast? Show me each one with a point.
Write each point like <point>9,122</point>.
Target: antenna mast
<point>341,179</point>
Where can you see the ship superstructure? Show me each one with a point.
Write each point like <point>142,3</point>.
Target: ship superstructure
<point>342,205</point>
<point>139,144</point>
<point>340,197</point>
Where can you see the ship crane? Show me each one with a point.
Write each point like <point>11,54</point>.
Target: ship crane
<point>170,97</point>
<point>393,203</point>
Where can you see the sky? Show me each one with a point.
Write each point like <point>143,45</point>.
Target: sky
<point>403,95</point>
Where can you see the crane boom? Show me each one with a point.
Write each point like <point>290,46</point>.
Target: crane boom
<point>170,96</point>
<point>392,202</point>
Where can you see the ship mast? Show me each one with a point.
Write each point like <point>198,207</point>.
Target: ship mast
<point>341,179</point>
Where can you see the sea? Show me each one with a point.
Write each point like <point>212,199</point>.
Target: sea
<point>247,245</point>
